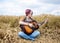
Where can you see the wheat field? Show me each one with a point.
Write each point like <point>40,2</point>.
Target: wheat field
<point>49,33</point>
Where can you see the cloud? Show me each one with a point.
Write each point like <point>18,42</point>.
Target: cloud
<point>56,11</point>
<point>17,7</point>
<point>50,1</point>
<point>9,8</point>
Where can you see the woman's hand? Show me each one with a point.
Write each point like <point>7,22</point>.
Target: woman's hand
<point>46,21</point>
<point>31,25</point>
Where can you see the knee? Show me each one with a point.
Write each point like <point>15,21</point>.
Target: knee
<point>20,33</point>
<point>38,32</point>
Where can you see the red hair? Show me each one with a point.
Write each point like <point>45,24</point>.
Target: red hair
<point>27,12</point>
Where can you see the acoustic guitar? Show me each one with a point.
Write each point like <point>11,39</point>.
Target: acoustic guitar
<point>29,29</point>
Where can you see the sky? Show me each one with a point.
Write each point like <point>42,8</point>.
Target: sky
<point>18,7</point>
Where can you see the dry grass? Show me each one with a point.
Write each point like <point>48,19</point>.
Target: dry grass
<point>9,28</point>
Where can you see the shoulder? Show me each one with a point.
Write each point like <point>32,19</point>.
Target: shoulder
<point>22,18</point>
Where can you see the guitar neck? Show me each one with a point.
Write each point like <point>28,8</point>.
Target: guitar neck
<point>41,23</point>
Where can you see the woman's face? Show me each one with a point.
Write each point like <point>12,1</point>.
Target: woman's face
<point>31,13</point>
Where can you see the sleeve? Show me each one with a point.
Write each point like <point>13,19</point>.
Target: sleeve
<point>21,20</point>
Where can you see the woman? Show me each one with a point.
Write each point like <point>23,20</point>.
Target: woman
<point>26,21</point>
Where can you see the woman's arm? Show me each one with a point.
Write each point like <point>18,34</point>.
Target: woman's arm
<point>21,21</point>
<point>24,23</point>
<point>44,22</point>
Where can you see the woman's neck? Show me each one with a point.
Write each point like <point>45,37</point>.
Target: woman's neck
<point>28,17</point>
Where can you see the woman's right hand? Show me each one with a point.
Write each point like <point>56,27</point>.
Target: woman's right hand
<point>31,25</point>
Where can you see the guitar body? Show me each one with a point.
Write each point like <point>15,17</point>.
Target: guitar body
<point>28,29</point>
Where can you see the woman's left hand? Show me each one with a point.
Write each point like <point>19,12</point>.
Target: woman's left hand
<point>46,20</point>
